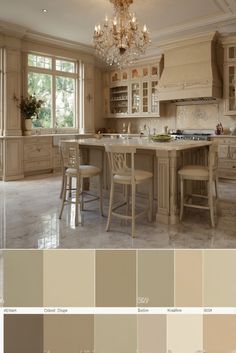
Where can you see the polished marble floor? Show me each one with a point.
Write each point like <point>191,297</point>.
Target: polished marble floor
<point>29,219</point>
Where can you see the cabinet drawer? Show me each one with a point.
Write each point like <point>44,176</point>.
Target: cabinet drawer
<point>35,166</point>
<point>227,173</point>
<point>227,164</point>
<point>37,152</point>
<point>38,140</point>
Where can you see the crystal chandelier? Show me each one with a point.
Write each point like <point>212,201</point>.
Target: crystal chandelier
<point>120,41</point>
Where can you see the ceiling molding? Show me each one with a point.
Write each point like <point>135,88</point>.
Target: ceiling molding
<point>12,29</point>
<point>203,25</point>
<point>223,5</point>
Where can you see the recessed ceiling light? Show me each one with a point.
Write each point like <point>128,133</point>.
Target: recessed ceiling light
<point>43,11</point>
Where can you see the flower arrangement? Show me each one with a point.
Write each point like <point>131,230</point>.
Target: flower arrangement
<point>29,106</point>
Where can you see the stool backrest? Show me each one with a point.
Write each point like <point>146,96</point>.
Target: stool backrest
<point>121,159</point>
<point>70,155</point>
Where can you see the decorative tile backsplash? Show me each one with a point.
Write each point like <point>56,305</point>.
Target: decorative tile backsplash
<point>197,116</point>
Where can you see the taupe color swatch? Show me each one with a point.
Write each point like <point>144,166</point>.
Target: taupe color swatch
<point>23,333</point>
<point>152,335</point>
<point>68,333</point>
<point>116,278</point>
<point>220,333</point>
<point>115,333</point>
<point>23,278</point>
<point>184,333</point>
<point>69,278</point>
<point>220,278</point>
<point>156,278</point>
<point>188,278</point>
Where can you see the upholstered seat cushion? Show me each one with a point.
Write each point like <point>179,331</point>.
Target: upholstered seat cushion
<point>85,170</point>
<point>140,177</point>
<point>194,172</point>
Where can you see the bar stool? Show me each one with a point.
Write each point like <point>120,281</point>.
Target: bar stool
<point>73,169</point>
<point>201,173</point>
<point>121,161</point>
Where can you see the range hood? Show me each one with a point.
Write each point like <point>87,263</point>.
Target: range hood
<point>191,74</point>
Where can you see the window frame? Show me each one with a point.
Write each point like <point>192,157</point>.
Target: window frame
<point>54,73</point>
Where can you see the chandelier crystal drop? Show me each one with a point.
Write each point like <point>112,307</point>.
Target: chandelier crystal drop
<point>120,41</point>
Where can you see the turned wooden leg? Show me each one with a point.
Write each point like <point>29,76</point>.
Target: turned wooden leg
<point>77,201</point>
<point>150,201</point>
<point>133,187</point>
<point>101,193</point>
<point>210,201</point>
<point>110,206</point>
<point>63,196</point>
<point>62,182</point>
<point>181,198</point>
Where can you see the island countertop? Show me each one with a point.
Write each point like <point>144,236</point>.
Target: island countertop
<point>143,143</point>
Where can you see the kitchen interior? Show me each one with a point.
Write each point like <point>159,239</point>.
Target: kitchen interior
<point>183,87</point>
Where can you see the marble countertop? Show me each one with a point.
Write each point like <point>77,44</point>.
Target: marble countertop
<point>224,136</point>
<point>144,143</point>
<point>47,135</point>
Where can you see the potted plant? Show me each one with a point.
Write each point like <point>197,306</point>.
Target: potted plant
<point>30,107</point>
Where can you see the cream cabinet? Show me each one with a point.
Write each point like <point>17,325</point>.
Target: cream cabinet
<point>132,92</point>
<point>37,154</point>
<point>230,75</point>
<point>226,157</point>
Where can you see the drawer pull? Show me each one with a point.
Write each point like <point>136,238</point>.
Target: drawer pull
<point>234,166</point>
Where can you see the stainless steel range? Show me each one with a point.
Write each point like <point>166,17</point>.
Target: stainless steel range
<point>192,134</point>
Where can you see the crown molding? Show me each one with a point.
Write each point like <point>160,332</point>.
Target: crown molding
<point>12,29</point>
<point>201,26</point>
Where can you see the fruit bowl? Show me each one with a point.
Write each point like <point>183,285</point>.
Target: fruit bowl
<point>161,138</point>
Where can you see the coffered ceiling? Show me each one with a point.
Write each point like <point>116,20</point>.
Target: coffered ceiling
<point>75,19</point>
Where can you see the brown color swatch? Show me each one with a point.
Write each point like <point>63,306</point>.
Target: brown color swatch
<point>184,333</point>
<point>220,333</point>
<point>152,334</point>
<point>116,278</point>
<point>68,333</point>
<point>69,278</point>
<point>219,278</point>
<point>115,333</point>
<point>23,278</point>
<point>23,334</point>
<point>156,278</point>
<point>188,278</point>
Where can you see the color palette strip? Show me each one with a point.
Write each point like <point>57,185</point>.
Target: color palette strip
<point>118,278</point>
<point>119,333</point>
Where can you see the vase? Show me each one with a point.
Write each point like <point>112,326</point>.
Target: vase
<point>28,127</point>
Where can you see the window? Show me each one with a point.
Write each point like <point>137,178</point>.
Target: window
<point>54,80</point>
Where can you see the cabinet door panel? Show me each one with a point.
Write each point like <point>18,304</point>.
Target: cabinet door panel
<point>223,151</point>
<point>232,152</point>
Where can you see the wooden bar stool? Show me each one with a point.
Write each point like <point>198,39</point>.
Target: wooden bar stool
<point>201,173</point>
<point>121,161</point>
<point>73,169</point>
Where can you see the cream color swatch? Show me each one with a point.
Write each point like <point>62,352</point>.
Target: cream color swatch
<point>69,278</point>
<point>152,333</point>
<point>188,278</point>
<point>184,333</point>
<point>23,278</point>
<point>116,278</point>
<point>115,334</point>
<point>220,278</point>
<point>68,333</point>
<point>155,278</point>
<point>220,333</point>
<point>23,333</point>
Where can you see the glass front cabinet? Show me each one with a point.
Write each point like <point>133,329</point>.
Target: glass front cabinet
<point>230,75</point>
<point>133,92</point>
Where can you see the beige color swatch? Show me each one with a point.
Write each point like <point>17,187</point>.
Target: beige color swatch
<point>188,278</point>
<point>155,278</point>
<point>152,333</point>
<point>116,278</point>
<point>220,278</point>
<point>69,278</point>
<point>23,278</point>
<point>68,333</point>
<point>115,334</point>
<point>220,333</point>
<point>23,333</point>
<point>184,333</point>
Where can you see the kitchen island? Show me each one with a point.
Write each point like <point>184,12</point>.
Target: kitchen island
<point>167,158</point>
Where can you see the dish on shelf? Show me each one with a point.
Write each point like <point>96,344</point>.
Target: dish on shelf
<point>161,138</point>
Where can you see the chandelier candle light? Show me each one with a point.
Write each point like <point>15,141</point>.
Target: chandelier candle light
<point>120,41</point>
